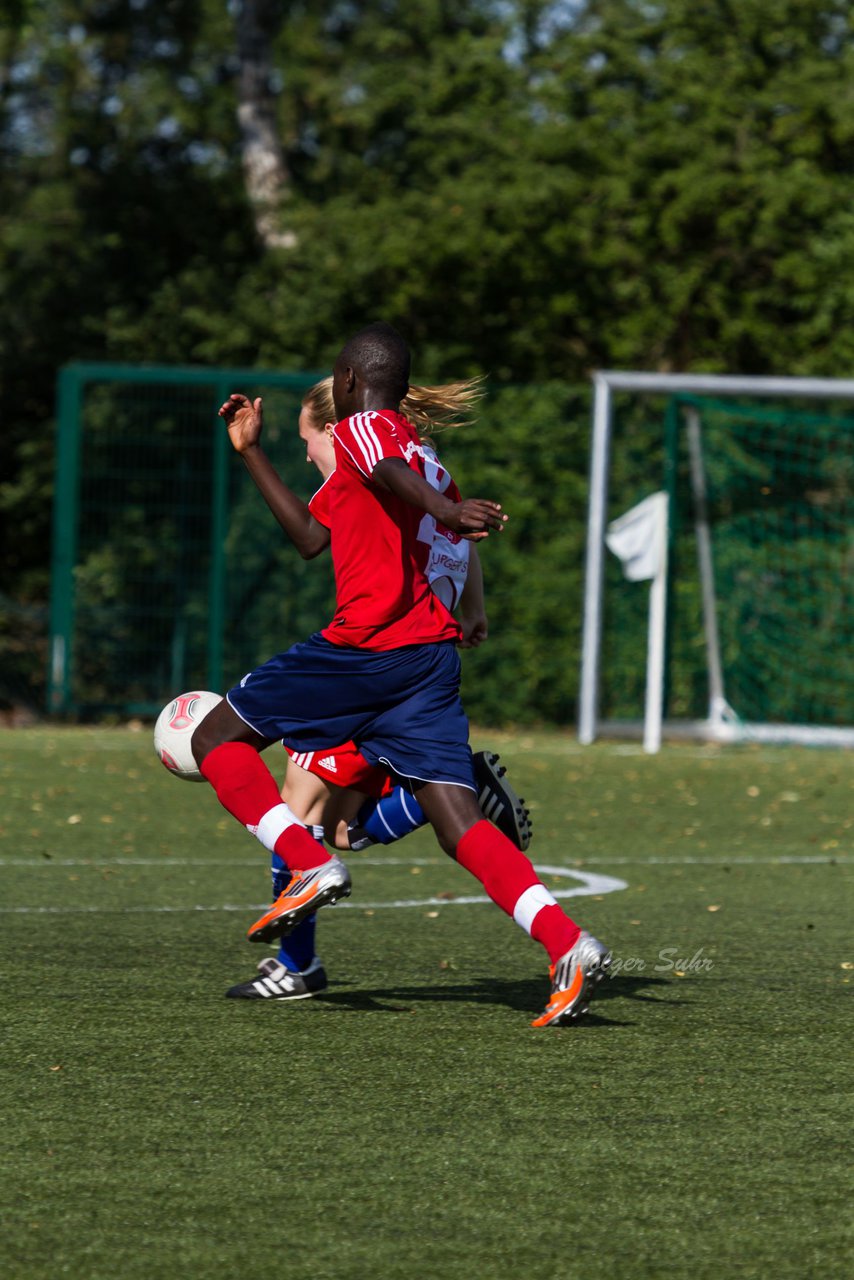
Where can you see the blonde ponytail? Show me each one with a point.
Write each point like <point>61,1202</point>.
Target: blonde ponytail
<point>433,409</point>
<point>429,409</point>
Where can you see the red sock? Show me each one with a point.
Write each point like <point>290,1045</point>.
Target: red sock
<point>553,928</point>
<point>513,885</point>
<point>299,850</point>
<point>246,788</point>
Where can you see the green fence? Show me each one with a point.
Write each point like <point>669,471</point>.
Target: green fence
<point>169,571</point>
<point>164,556</point>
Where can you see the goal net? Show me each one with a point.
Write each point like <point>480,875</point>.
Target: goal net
<point>760,565</point>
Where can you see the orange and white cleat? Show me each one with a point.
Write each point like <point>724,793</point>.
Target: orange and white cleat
<point>574,978</point>
<point>305,892</point>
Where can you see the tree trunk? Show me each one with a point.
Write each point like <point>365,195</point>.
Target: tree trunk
<point>267,179</point>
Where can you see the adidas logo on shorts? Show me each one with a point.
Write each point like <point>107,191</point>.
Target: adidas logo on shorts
<point>328,762</point>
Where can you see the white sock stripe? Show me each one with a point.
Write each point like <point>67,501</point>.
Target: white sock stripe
<point>404,796</point>
<point>394,834</point>
<point>274,822</point>
<point>530,903</point>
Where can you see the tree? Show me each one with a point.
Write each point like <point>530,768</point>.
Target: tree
<point>264,167</point>
<point>527,189</point>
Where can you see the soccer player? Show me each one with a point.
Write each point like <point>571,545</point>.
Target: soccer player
<point>455,576</point>
<point>384,674</point>
<point>337,793</point>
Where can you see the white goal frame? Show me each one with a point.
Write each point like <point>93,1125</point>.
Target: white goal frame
<point>721,725</point>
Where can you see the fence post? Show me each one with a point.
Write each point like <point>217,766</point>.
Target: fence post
<point>66,501</point>
<point>219,530</point>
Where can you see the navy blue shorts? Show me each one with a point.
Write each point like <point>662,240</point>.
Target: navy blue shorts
<point>401,707</point>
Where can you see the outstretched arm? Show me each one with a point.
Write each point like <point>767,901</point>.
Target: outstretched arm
<point>473,517</point>
<point>244,419</point>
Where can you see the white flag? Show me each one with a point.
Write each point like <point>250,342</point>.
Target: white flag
<point>639,538</point>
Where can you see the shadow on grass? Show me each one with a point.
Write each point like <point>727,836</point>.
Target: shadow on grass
<point>527,995</point>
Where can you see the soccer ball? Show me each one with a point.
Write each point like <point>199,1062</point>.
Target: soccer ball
<point>174,731</point>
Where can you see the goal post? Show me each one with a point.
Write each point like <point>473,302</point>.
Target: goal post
<point>832,492</point>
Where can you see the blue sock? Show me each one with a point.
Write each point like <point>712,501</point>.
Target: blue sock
<point>296,951</point>
<point>392,817</point>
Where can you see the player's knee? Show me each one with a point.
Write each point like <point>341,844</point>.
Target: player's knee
<point>220,725</point>
<point>202,744</point>
<point>451,831</point>
<point>451,811</point>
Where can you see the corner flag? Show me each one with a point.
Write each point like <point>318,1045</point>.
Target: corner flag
<point>639,540</point>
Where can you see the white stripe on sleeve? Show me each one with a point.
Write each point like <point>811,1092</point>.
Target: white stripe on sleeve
<point>368,424</point>
<point>366,443</point>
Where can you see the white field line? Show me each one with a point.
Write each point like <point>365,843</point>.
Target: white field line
<point>591,884</point>
<point>609,860</point>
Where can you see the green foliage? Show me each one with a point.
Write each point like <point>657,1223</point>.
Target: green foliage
<point>528,451</point>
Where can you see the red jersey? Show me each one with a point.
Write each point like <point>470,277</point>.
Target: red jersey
<point>383,596</point>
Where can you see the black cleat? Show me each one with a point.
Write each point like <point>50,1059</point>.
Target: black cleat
<point>499,801</point>
<point>278,983</point>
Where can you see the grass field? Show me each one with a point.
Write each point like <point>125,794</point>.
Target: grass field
<point>410,1123</point>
